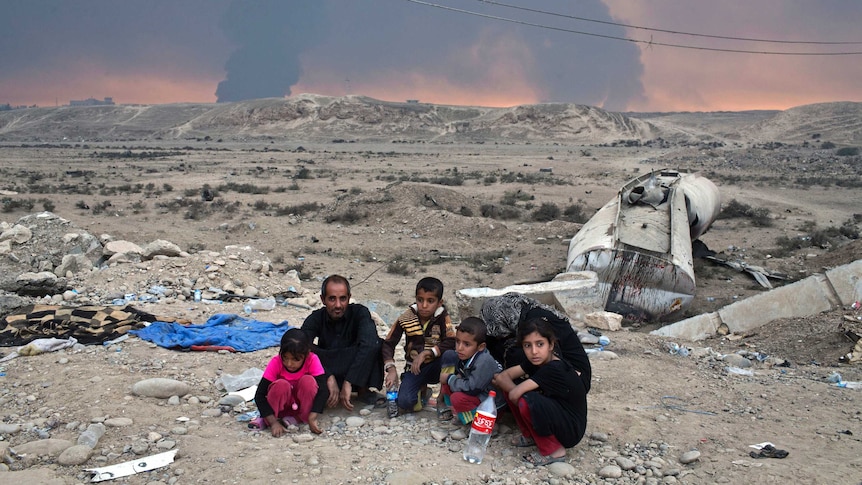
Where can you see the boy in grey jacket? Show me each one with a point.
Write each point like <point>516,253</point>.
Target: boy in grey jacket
<point>466,373</point>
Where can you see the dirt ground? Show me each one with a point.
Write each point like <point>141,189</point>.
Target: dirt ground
<point>388,214</point>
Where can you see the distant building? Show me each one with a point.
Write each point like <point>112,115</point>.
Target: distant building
<point>9,107</point>
<point>91,102</point>
<point>413,101</point>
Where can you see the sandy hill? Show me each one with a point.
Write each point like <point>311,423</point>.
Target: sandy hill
<point>312,116</point>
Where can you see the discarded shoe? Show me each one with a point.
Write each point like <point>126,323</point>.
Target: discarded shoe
<point>257,423</point>
<point>769,451</point>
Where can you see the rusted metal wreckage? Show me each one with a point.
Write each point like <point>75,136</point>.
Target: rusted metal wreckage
<point>640,244</point>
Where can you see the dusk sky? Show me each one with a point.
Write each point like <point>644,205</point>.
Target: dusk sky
<point>171,51</point>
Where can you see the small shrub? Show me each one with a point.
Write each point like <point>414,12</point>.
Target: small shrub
<point>575,213</point>
<point>760,217</point>
<point>500,212</point>
<point>546,212</point>
<point>138,207</point>
<point>298,210</point>
<point>513,197</point>
<point>9,204</point>
<point>786,246</point>
<point>303,174</point>
<point>827,145</point>
<point>820,239</point>
<point>100,208</point>
<point>398,267</point>
<point>349,216</point>
<point>848,230</point>
<point>491,262</point>
<point>734,208</point>
<point>261,205</point>
<point>456,180</point>
<point>847,152</point>
<point>48,205</point>
<point>244,188</point>
<point>167,187</point>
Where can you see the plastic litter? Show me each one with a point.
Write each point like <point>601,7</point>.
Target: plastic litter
<point>92,435</point>
<point>248,378</point>
<point>117,340</point>
<point>148,298</point>
<point>481,429</point>
<point>676,349</point>
<point>392,401</point>
<point>246,417</point>
<point>138,465</point>
<point>739,371</point>
<point>260,304</point>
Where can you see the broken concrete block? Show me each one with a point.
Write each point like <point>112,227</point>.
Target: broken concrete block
<point>604,320</point>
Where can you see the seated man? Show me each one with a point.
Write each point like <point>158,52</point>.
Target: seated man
<point>347,344</point>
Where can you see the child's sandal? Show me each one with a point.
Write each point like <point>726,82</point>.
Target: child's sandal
<point>444,414</point>
<point>537,459</point>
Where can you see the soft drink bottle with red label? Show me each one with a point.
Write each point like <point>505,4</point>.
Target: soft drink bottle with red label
<point>480,431</point>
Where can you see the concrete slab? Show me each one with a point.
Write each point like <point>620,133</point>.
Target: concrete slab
<point>847,281</point>
<point>574,293</point>
<point>806,297</point>
<point>698,327</point>
<point>813,295</point>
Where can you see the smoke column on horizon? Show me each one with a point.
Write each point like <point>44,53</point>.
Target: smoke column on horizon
<point>389,46</point>
<point>270,35</point>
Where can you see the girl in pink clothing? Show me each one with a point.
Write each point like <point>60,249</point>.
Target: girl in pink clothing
<point>293,386</point>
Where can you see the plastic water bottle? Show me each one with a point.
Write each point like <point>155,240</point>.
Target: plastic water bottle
<point>480,431</point>
<point>198,294</point>
<point>91,435</point>
<point>259,304</point>
<point>392,401</point>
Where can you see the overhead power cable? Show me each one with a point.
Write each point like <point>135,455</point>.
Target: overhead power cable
<point>636,41</point>
<point>675,32</point>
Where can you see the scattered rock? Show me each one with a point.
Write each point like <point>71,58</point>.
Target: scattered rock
<point>689,457</point>
<point>610,471</point>
<point>118,422</point>
<point>49,447</point>
<point>75,455</point>
<point>160,387</point>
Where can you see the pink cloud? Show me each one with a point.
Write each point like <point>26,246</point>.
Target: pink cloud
<point>693,80</point>
<point>81,81</point>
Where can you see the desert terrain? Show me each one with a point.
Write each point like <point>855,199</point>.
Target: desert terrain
<point>386,193</point>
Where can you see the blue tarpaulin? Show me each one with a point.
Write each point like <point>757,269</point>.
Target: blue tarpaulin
<point>223,329</point>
